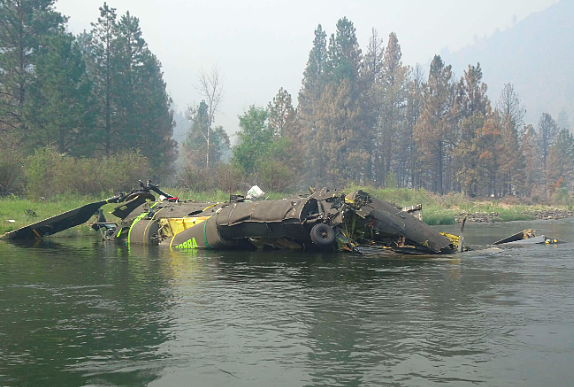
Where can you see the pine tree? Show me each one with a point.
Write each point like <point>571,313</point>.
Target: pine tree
<point>512,164</point>
<point>413,110</point>
<point>371,76</point>
<point>25,28</point>
<point>392,136</point>
<point>195,144</point>
<point>434,128</point>
<point>129,87</point>
<point>282,116</point>
<point>309,96</point>
<point>133,109</point>
<point>373,61</point>
<point>341,127</point>
<point>343,55</point>
<point>155,116</point>
<point>103,52</point>
<point>530,149</point>
<point>547,133</point>
<point>473,119</point>
<point>57,107</point>
<point>560,161</point>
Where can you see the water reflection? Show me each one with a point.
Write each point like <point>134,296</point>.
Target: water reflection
<point>81,311</point>
<point>87,313</point>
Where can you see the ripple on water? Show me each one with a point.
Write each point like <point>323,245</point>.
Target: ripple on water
<point>99,315</point>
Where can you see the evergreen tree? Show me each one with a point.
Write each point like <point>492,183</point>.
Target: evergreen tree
<point>488,161</point>
<point>154,106</point>
<point>530,149</point>
<point>343,55</point>
<point>133,107</point>
<point>282,116</point>
<point>371,77</point>
<point>102,58</point>
<point>57,108</point>
<point>413,110</point>
<point>313,74</point>
<point>509,106</point>
<point>391,134</point>
<point>512,164</point>
<point>373,61</point>
<point>470,153</point>
<point>560,162</point>
<point>310,94</point>
<point>341,154</point>
<point>128,95</point>
<point>472,119</point>
<point>341,125</point>
<point>195,144</point>
<point>25,28</point>
<point>547,133</point>
<point>434,128</point>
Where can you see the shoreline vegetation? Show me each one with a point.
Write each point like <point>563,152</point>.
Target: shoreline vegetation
<point>437,210</point>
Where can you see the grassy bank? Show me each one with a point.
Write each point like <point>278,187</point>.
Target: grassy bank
<point>446,209</point>
<point>437,210</point>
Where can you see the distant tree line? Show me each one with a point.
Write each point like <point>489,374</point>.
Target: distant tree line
<point>367,118</point>
<point>361,117</point>
<point>95,95</point>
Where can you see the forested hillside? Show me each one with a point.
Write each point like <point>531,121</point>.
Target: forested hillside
<point>535,55</point>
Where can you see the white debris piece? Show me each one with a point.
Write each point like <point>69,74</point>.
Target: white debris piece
<point>254,193</point>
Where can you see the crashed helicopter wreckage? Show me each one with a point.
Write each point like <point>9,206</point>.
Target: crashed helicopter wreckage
<point>325,219</point>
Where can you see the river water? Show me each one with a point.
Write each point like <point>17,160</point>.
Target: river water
<point>78,312</point>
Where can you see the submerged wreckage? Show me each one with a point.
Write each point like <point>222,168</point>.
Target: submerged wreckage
<point>325,220</point>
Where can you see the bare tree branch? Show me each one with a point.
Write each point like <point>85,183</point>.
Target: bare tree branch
<point>210,86</point>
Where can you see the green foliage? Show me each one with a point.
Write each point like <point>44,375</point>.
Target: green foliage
<point>27,26</point>
<point>559,172</point>
<point>391,180</point>
<point>11,172</point>
<point>57,108</point>
<point>133,109</point>
<point>510,216</point>
<point>274,175</point>
<point>195,145</point>
<point>562,197</point>
<point>222,176</point>
<point>49,173</point>
<point>255,137</point>
<point>437,219</point>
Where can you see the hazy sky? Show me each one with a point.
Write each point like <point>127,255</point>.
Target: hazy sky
<point>262,45</point>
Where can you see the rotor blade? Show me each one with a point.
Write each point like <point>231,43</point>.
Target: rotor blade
<point>58,223</point>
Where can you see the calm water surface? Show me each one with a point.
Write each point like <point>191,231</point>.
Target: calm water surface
<point>79,312</point>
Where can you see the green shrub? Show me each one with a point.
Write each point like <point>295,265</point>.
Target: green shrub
<point>435,219</point>
<point>274,175</point>
<point>49,173</point>
<point>11,171</point>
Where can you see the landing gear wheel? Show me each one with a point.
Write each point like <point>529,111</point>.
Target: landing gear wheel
<point>322,235</point>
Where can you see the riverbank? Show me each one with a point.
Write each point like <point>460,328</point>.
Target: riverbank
<point>453,208</point>
<point>16,212</point>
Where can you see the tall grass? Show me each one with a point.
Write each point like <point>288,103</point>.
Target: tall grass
<point>26,211</point>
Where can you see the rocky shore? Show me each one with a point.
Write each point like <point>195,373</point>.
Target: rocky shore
<point>490,217</point>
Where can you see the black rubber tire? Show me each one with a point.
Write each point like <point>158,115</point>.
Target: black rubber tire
<point>322,235</point>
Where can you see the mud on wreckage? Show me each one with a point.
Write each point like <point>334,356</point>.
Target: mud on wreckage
<point>325,220</point>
